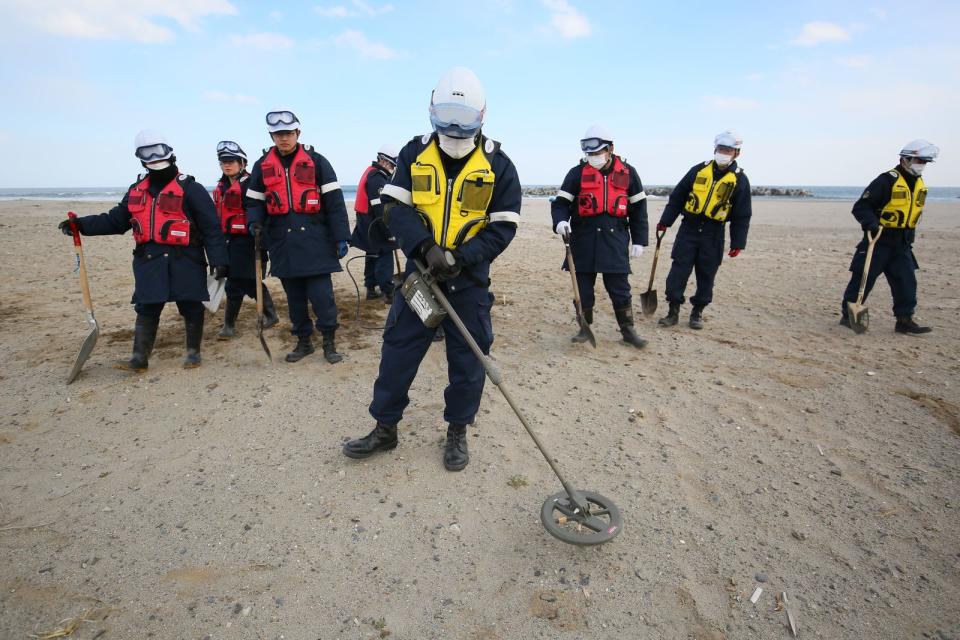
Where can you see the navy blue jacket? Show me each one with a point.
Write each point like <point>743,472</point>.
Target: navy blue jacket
<point>161,272</point>
<point>370,233</point>
<point>239,245</point>
<point>476,253</point>
<point>601,244</point>
<point>740,211</point>
<point>301,244</point>
<point>875,197</point>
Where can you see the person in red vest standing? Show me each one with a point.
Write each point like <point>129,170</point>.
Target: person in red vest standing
<point>295,201</point>
<point>601,205</point>
<point>370,234</point>
<point>173,221</point>
<point>228,197</point>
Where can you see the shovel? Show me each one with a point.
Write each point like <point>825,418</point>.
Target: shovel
<point>91,340</point>
<point>857,312</point>
<point>258,267</point>
<point>648,299</point>
<point>584,325</point>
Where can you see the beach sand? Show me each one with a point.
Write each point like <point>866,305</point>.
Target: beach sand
<point>774,449</point>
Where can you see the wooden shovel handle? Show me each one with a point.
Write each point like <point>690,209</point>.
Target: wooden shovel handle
<point>656,256</point>
<point>78,249</point>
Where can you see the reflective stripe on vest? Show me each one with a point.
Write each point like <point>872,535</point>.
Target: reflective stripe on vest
<point>159,219</point>
<point>362,204</point>
<point>229,204</point>
<point>710,198</point>
<point>905,206</point>
<point>604,193</point>
<point>294,189</point>
<point>455,209</point>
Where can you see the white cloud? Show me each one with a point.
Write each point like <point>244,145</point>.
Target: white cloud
<point>264,41</point>
<point>333,12</point>
<point>276,16</point>
<point>878,13</point>
<point>729,102</point>
<point>223,96</point>
<point>814,33</point>
<point>134,20</point>
<point>370,10</point>
<point>356,41</point>
<point>755,77</point>
<point>566,20</point>
<point>854,62</point>
<point>360,8</point>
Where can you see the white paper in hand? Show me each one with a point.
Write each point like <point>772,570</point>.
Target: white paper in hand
<point>215,288</point>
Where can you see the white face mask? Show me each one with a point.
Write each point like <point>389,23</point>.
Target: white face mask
<point>917,168</point>
<point>597,161</point>
<point>158,166</point>
<point>456,147</point>
<point>722,160</point>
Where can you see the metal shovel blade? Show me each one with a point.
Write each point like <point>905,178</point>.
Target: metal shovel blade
<point>859,317</point>
<point>263,341</point>
<point>585,327</point>
<point>648,302</point>
<point>85,350</point>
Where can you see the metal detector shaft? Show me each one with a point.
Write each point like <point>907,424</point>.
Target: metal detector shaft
<point>496,378</point>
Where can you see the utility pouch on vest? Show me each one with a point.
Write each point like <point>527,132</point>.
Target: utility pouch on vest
<point>425,189</point>
<point>175,232</point>
<point>422,302</point>
<point>310,201</point>
<point>477,191</point>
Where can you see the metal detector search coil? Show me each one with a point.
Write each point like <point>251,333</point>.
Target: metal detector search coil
<point>421,300</point>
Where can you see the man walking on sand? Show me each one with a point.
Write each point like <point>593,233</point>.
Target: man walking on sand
<point>370,233</point>
<point>894,202</point>
<point>712,194</point>
<point>454,205</point>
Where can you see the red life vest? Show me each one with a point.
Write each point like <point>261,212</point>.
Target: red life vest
<point>294,189</point>
<point>593,201</point>
<point>159,219</point>
<point>229,203</point>
<point>362,204</point>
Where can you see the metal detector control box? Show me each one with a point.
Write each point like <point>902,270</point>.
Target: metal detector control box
<point>421,300</point>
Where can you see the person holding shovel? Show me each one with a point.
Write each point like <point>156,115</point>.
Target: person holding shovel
<point>370,233</point>
<point>228,198</point>
<point>893,203</point>
<point>293,199</point>
<point>173,221</point>
<point>602,208</point>
<point>453,205</point>
<point>710,195</point>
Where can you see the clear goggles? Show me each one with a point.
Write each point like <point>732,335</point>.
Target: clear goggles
<point>281,117</point>
<point>456,120</point>
<point>228,146</point>
<point>725,150</point>
<point>154,152</point>
<point>592,145</point>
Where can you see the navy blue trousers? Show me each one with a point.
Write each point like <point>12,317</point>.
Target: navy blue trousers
<point>190,309</point>
<point>318,291</point>
<point>616,284</point>
<point>236,288</point>
<point>405,343</point>
<point>897,263</point>
<point>698,247</point>
<point>378,270</point>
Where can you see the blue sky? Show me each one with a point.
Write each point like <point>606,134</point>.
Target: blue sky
<point>821,92</point>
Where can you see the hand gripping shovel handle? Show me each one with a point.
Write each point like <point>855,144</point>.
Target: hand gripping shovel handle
<point>78,249</point>
<point>576,292</point>
<point>656,256</point>
<point>495,377</point>
<point>258,267</point>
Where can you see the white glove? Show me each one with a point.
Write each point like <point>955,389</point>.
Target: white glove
<point>636,251</point>
<point>563,228</point>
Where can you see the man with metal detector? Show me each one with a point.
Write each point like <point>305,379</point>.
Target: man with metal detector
<point>453,205</point>
<point>602,208</point>
<point>173,221</point>
<point>293,199</point>
<point>893,203</point>
<point>710,195</point>
<point>228,198</point>
<point>370,233</point>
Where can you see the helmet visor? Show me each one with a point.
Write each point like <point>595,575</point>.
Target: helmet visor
<point>456,120</point>
<point>154,152</point>
<point>592,145</point>
<point>275,118</point>
<point>228,146</point>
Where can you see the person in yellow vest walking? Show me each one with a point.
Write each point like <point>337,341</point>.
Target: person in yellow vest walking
<point>712,194</point>
<point>893,201</point>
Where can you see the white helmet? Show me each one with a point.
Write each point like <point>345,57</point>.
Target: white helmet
<point>458,104</point>
<point>282,119</point>
<point>387,152</point>
<point>595,138</point>
<point>151,146</point>
<point>920,148</point>
<point>728,138</point>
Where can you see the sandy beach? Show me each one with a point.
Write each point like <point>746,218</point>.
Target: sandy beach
<point>773,449</point>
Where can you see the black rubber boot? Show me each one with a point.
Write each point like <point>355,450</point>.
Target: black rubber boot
<point>382,438</point>
<point>844,318</point>
<point>672,317</point>
<point>439,335</point>
<point>270,317</point>
<point>696,317</point>
<point>372,293</point>
<point>194,331</point>
<point>455,453</point>
<point>330,348</point>
<point>905,324</point>
<point>230,314</point>
<point>144,335</point>
<point>625,320</point>
<point>582,335</point>
<point>304,348</point>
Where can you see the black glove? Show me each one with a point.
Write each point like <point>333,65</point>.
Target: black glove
<point>873,226</point>
<point>65,227</point>
<point>255,228</point>
<point>442,264</point>
<point>220,272</point>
